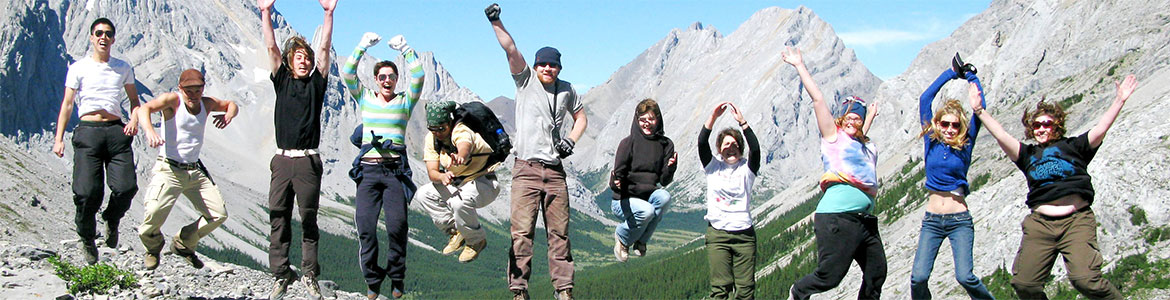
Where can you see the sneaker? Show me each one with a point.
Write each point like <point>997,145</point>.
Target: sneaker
<point>150,261</point>
<point>519,294</point>
<point>89,249</point>
<point>565,294</point>
<point>472,251</point>
<point>396,289</point>
<point>280,286</point>
<point>619,251</point>
<point>640,248</point>
<point>112,235</point>
<point>372,291</point>
<point>454,244</point>
<point>186,254</point>
<point>311,285</point>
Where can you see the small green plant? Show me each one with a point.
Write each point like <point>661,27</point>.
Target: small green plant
<point>94,279</point>
<point>1068,102</point>
<point>1137,216</point>
<point>979,181</point>
<point>999,283</point>
<point>1156,234</point>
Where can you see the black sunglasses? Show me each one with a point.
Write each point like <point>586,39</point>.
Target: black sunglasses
<point>550,65</point>
<point>384,77</point>
<point>100,33</point>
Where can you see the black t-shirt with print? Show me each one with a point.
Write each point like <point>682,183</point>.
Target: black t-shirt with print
<point>298,108</point>
<point>1057,169</point>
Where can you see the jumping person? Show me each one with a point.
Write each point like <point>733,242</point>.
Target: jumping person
<point>179,170</point>
<point>300,79</point>
<point>948,138</point>
<point>1060,195</point>
<point>731,237</point>
<point>385,182</point>
<point>643,160</point>
<point>538,180</point>
<point>101,142</point>
<point>461,180</point>
<point>844,226</point>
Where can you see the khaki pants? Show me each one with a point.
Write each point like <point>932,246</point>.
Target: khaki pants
<point>1075,238</point>
<point>731,257</point>
<point>165,187</point>
<point>539,188</point>
<point>454,206</point>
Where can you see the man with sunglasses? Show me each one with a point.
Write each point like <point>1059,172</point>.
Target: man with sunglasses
<point>101,141</point>
<point>385,183</point>
<point>461,180</point>
<point>300,80</point>
<point>179,170</point>
<point>538,177</point>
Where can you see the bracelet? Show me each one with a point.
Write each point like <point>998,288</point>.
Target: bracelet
<point>743,124</point>
<point>978,110</point>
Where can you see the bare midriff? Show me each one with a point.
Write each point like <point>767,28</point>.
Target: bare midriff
<point>1062,206</point>
<point>945,203</point>
<point>99,116</point>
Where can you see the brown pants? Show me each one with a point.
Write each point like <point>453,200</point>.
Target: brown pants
<point>1075,238</point>
<point>539,188</point>
<point>299,177</point>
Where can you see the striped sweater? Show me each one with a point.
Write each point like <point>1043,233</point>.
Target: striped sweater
<point>385,119</point>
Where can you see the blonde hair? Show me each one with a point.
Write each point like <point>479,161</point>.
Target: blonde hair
<point>859,135</point>
<point>950,107</point>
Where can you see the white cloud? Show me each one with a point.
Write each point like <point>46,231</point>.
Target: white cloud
<point>871,38</point>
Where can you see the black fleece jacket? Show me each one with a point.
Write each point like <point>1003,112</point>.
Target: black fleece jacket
<point>641,163</point>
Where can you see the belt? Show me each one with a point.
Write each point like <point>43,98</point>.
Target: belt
<point>296,152</point>
<point>539,163</point>
<point>380,160</point>
<point>185,166</point>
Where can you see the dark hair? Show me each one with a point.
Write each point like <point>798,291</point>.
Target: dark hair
<point>734,134</point>
<point>1044,108</point>
<point>647,105</point>
<point>292,45</point>
<point>383,64</point>
<point>102,21</point>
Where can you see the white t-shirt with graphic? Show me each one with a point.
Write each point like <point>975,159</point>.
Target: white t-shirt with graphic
<point>729,194</point>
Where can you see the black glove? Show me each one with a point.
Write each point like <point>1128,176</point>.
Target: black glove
<point>492,12</point>
<point>565,147</point>
<point>969,68</point>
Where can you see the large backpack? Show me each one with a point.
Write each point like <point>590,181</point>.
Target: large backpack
<point>480,119</point>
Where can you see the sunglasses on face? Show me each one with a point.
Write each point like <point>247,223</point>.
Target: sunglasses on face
<point>437,128</point>
<point>106,33</point>
<point>1043,124</point>
<point>387,77</point>
<point>193,89</point>
<point>947,124</point>
<point>548,65</point>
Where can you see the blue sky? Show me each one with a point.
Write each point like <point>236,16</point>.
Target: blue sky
<point>598,37</point>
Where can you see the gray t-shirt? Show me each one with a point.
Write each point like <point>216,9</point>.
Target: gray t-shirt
<point>537,128</point>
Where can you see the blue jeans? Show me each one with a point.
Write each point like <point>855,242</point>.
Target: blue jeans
<point>641,218</point>
<point>959,228</point>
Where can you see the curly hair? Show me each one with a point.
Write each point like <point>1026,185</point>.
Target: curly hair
<point>1044,108</point>
<point>293,44</point>
<point>950,107</point>
<point>734,133</point>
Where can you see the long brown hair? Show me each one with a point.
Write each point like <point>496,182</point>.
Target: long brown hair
<point>950,107</point>
<point>1045,108</point>
<point>293,44</point>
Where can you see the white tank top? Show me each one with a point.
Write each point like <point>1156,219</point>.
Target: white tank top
<point>184,132</point>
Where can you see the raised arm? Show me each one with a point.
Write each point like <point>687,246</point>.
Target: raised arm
<point>1124,90</point>
<point>229,107</point>
<point>269,36</point>
<point>62,121</point>
<point>163,102</point>
<point>516,62</point>
<point>349,69</point>
<point>323,57</point>
<point>927,98</point>
<point>413,65</point>
<point>870,115</point>
<point>825,121</point>
<point>973,129</point>
<point>1009,144</point>
<point>749,136</point>
<point>705,134</point>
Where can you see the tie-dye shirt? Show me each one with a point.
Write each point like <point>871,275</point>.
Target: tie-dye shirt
<point>850,163</point>
<point>385,119</point>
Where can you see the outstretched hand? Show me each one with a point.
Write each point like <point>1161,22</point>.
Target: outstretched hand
<point>792,56</point>
<point>265,4</point>
<point>673,159</point>
<point>369,39</point>
<point>974,96</point>
<point>492,12</point>
<point>221,121</point>
<point>1126,87</point>
<point>328,5</point>
<point>398,43</point>
<point>736,114</point>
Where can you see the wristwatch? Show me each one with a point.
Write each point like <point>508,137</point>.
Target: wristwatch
<point>978,110</point>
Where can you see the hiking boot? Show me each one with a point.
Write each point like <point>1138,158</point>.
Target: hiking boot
<point>186,254</point>
<point>519,294</point>
<point>311,285</point>
<point>372,291</point>
<point>565,294</point>
<point>150,261</point>
<point>619,251</point>
<point>89,249</point>
<point>112,235</point>
<point>455,243</point>
<point>640,248</point>
<point>280,286</point>
<point>472,251</point>
<point>397,289</point>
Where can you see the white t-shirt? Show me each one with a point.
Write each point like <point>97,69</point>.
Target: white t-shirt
<point>99,86</point>
<point>729,194</point>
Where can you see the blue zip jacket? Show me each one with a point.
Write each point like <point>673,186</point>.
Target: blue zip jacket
<point>946,168</point>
